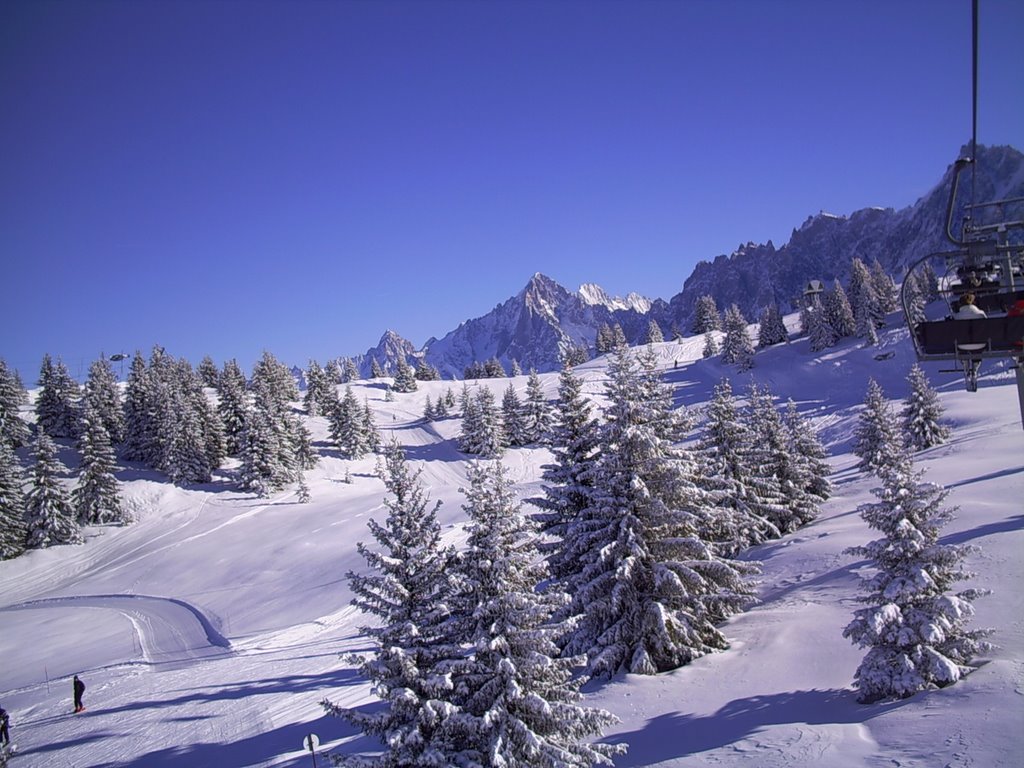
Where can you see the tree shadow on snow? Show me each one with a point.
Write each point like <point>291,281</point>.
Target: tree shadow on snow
<point>254,750</point>
<point>678,735</point>
<point>1005,525</point>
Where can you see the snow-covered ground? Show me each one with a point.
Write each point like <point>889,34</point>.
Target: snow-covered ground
<point>208,631</point>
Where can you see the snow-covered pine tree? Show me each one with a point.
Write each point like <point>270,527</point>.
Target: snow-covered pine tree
<point>14,430</point>
<point>493,369</point>
<point>839,312</point>
<point>376,372</point>
<point>233,405</point>
<point>876,440</point>
<point>922,413</point>
<point>483,433</point>
<point>705,315</point>
<point>736,346</point>
<point>864,299</point>
<point>724,451</point>
<point>519,699</point>
<point>405,377</point>
<point>536,411</point>
<point>772,329</point>
<point>710,345</point>
<point>807,446</point>
<point>96,498</point>
<point>776,461</point>
<point>885,288</point>
<point>57,403</point>
<point>12,504</point>
<point>316,389</point>
<point>928,283</point>
<point>567,480</point>
<point>574,354</point>
<point>820,332</point>
<point>512,415</point>
<point>370,430</point>
<point>915,300</point>
<point>515,369</point>
<point>185,459</point>
<point>408,589</point>
<point>348,427</point>
<point>349,372</point>
<point>260,470</point>
<point>208,372</point>
<point>618,337</point>
<point>654,334</point>
<point>651,588</point>
<point>913,625</point>
<point>604,342</point>
<point>50,520</point>
<point>429,412</point>
<point>426,372</point>
<point>101,392</point>
<point>136,411</point>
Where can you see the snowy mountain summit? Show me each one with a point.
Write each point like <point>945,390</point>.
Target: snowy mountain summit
<point>594,294</point>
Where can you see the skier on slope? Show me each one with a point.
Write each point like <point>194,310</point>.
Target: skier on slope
<point>79,688</point>
<point>5,725</point>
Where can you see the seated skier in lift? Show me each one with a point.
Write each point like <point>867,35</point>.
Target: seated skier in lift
<point>967,309</point>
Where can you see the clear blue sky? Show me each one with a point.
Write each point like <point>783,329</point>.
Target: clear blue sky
<point>226,177</point>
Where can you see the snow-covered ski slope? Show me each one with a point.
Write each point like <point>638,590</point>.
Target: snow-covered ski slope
<point>208,631</point>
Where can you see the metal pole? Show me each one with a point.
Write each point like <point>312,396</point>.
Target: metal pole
<point>1020,388</point>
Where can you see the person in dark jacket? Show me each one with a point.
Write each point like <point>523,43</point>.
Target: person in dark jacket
<point>79,688</point>
<point>5,725</point>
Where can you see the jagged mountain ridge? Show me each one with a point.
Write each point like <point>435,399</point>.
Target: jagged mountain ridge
<point>537,324</point>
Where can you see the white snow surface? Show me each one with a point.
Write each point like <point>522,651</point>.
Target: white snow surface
<point>208,631</point>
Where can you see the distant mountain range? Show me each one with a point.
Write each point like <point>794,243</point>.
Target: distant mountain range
<point>540,321</point>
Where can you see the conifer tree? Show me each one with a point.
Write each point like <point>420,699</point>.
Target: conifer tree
<point>14,430</point>
<point>512,415</point>
<point>233,406</point>
<point>915,300</point>
<point>705,315</point>
<point>710,345</point>
<point>536,411</point>
<point>373,442</point>
<point>922,413</point>
<point>885,288</point>
<point>777,462</point>
<point>427,372</point>
<point>518,698</point>
<point>515,368</point>
<point>50,518</point>
<point>12,504</point>
<point>208,373</point>
<point>651,588</point>
<point>820,332</point>
<point>875,436</point>
<point>96,498</point>
<point>618,337</point>
<point>568,479</point>
<point>376,372</point>
<point>348,427</point>
<point>736,346</point>
<point>260,470</point>
<point>102,394</point>
<point>729,475</point>
<point>317,386</point>
<point>57,402</point>
<point>483,433</point>
<point>493,369</point>
<point>772,329</point>
<point>654,334</point>
<point>186,459</point>
<point>429,412</point>
<point>408,589</point>
<point>913,625</point>
<point>864,299</point>
<point>405,377</point>
<point>807,446</point>
<point>136,412</point>
<point>839,313</point>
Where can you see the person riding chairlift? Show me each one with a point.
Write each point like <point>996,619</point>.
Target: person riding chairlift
<point>967,310</point>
